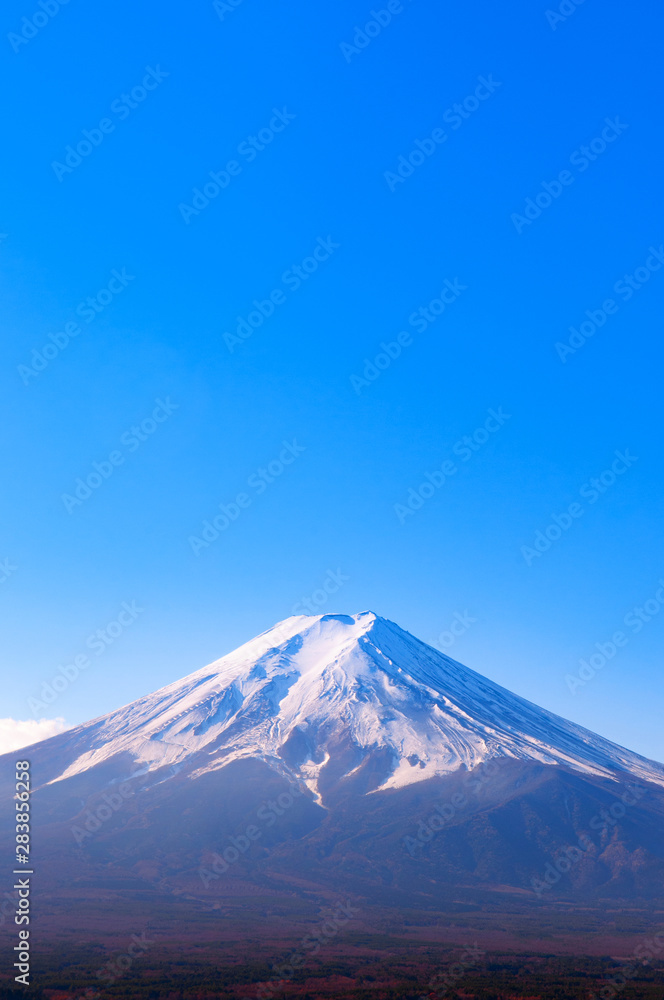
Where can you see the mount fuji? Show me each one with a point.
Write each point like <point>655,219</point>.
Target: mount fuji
<point>322,699</point>
<point>338,740</point>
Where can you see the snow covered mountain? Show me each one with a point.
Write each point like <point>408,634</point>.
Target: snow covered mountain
<point>358,756</point>
<point>318,697</point>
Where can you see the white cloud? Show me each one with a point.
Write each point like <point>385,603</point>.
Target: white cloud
<point>17,733</point>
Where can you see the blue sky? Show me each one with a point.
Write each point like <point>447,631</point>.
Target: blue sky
<point>364,196</point>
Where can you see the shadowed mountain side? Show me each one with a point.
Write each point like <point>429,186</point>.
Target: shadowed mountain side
<point>505,825</point>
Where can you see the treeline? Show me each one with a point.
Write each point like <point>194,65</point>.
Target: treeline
<point>356,977</point>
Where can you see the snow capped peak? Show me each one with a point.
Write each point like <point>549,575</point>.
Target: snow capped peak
<point>335,692</point>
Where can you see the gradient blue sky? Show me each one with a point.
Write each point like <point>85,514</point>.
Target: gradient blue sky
<point>323,176</point>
